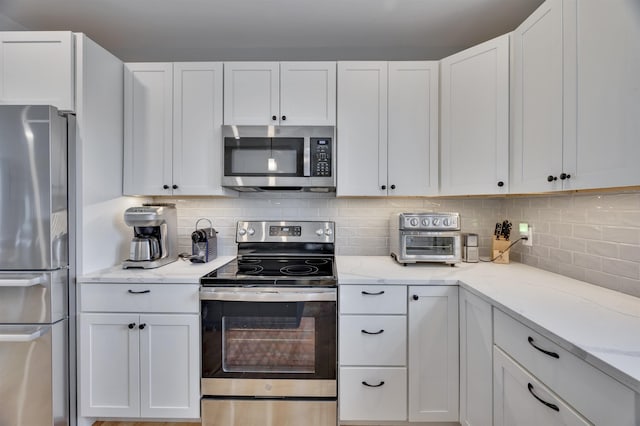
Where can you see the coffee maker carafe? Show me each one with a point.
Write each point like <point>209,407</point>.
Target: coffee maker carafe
<point>155,240</point>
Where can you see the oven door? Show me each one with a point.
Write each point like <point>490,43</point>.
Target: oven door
<point>423,246</point>
<point>269,341</point>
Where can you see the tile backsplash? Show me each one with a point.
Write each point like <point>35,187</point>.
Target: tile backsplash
<point>591,237</point>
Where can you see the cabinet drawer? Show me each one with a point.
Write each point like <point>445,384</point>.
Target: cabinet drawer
<point>373,340</point>
<point>384,399</point>
<point>373,299</point>
<point>520,399</point>
<point>167,298</point>
<point>597,396</point>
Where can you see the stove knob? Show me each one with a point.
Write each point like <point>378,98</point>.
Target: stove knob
<point>251,231</point>
<point>436,222</point>
<point>414,222</point>
<point>425,222</point>
<point>320,232</point>
<point>242,231</point>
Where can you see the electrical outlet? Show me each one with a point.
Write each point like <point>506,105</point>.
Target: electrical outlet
<point>526,230</point>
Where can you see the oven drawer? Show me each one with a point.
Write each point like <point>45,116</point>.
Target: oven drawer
<point>373,340</point>
<point>373,394</point>
<point>373,299</point>
<point>166,298</point>
<point>594,394</point>
<point>229,412</point>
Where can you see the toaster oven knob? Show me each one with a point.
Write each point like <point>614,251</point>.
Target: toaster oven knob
<point>242,231</point>
<point>425,222</point>
<point>320,232</point>
<point>436,222</point>
<point>445,222</point>
<point>328,231</point>
<point>251,231</point>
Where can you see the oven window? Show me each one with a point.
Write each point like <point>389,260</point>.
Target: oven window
<point>268,344</point>
<point>423,245</point>
<point>277,340</point>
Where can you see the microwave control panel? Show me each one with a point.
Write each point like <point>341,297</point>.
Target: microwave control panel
<point>320,157</point>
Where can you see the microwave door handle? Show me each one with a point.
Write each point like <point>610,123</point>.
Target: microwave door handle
<point>307,157</point>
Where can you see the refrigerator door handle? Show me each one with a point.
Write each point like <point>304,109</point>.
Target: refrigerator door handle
<point>22,281</point>
<point>25,334</point>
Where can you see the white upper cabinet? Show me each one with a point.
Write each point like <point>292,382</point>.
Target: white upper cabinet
<point>38,68</point>
<point>576,97</point>
<point>537,101</point>
<point>387,128</point>
<point>285,93</point>
<point>474,144</point>
<point>173,114</point>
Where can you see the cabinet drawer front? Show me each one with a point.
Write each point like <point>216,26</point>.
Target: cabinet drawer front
<point>167,298</point>
<point>520,399</point>
<point>384,399</point>
<point>373,340</point>
<point>597,396</point>
<point>373,299</point>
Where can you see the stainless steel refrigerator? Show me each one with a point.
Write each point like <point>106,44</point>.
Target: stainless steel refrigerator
<point>34,267</point>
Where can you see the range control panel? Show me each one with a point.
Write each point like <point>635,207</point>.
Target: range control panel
<point>320,156</point>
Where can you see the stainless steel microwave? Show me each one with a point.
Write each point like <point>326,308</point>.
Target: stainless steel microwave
<point>260,158</point>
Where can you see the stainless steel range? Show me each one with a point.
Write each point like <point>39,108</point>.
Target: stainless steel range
<point>269,328</point>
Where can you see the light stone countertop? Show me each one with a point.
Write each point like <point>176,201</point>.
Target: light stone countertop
<point>178,272</point>
<point>598,325</point>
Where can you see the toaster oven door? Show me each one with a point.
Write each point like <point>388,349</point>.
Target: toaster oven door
<point>431,247</point>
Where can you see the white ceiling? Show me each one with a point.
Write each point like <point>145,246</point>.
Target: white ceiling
<point>183,30</point>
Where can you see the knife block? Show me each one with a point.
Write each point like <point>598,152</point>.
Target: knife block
<point>498,248</point>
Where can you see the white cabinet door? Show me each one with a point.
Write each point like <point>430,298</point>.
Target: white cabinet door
<point>602,93</point>
<point>197,137</point>
<point>537,100</point>
<point>308,93</point>
<point>251,93</point>
<point>433,353</point>
<point>108,360</point>
<point>412,148</point>
<point>476,361</point>
<point>362,129</point>
<point>521,400</point>
<point>169,366</point>
<point>38,68</point>
<point>475,120</point>
<point>148,120</point>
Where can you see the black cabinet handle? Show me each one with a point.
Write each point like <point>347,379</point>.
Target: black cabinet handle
<point>551,354</point>
<point>131,325</point>
<point>372,333</point>
<point>383,187</point>
<point>174,186</point>
<point>393,187</point>
<point>366,293</point>
<point>165,186</point>
<point>284,117</point>
<point>142,326</point>
<point>500,184</point>
<point>551,178</point>
<point>548,404</point>
<point>415,297</point>
<point>564,176</point>
<point>373,386</point>
<point>138,292</point>
<point>274,117</point>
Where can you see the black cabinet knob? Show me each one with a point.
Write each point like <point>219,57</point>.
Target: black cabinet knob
<point>393,187</point>
<point>284,117</point>
<point>131,325</point>
<point>500,184</point>
<point>174,186</point>
<point>165,186</point>
<point>551,178</point>
<point>142,326</point>
<point>383,187</point>
<point>274,117</point>
<point>564,176</point>
<point>415,297</point>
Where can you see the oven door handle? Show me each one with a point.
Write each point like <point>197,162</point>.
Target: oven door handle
<point>268,295</point>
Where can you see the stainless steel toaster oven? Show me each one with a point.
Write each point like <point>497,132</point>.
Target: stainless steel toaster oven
<point>425,237</point>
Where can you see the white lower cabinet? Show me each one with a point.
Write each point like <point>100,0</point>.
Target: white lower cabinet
<point>134,364</point>
<point>521,400</point>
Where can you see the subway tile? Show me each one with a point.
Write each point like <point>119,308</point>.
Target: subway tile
<point>630,252</point>
<point>562,230</point>
<point>587,261</point>
<point>574,216</point>
<point>561,256</point>
<point>589,232</point>
<point>572,271</point>
<point>602,248</point>
<point>621,268</point>
<point>572,244</point>
<point>548,240</point>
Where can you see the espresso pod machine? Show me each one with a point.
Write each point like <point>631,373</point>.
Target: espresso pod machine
<point>155,235</point>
